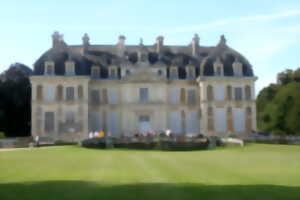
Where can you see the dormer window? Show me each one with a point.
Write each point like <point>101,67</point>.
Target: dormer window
<point>113,72</point>
<point>219,71</point>
<point>70,68</point>
<point>218,67</point>
<point>95,72</point>
<point>173,73</point>
<point>49,68</point>
<point>190,72</point>
<point>237,68</point>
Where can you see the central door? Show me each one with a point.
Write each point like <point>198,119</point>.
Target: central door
<point>144,124</point>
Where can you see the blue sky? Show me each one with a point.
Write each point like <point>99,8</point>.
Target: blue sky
<point>267,32</point>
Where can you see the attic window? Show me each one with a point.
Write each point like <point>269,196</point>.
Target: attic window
<point>49,68</point>
<point>219,71</point>
<point>70,68</point>
<point>191,73</point>
<point>95,72</point>
<point>113,73</point>
<point>173,73</point>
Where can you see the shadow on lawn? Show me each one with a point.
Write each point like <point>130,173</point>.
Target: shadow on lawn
<point>92,190</point>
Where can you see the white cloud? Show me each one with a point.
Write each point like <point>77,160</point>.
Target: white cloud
<point>240,20</point>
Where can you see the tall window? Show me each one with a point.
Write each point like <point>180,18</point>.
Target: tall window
<point>182,95</point>
<point>229,92</point>
<point>70,96</point>
<point>210,93</point>
<point>238,94</point>
<point>192,96</point>
<point>80,92</point>
<point>104,96</point>
<point>59,93</point>
<point>210,121</point>
<point>39,92</point>
<point>95,97</point>
<point>144,95</point>
<point>49,122</point>
<point>248,92</point>
<point>70,117</point>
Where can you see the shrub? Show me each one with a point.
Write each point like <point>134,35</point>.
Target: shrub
<point>2,135</point>
<point>94,143</point>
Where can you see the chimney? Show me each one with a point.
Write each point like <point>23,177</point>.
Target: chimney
<point>121,45</point>
<point>57,39</point>
<point>159,43</point>
<point>85,42</point>
<point>195,44</point>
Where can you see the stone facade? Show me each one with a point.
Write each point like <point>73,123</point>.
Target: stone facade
<point>124,89</point>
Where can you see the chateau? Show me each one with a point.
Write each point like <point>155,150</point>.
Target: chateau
<point>124,89</point>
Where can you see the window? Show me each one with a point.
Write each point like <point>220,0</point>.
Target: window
<point>95,72</point>
<point>113,73</point>
<point>210,111</point>
<point>70,68</point>
<point>219,71</point>
<point>39,92</point>
<point>95,97</point>
<point>190,73</point>
<point>182,95</point>
<point>49,69</point>
<point>144,118</point>
<point>174,96</point>
<point>173,73</point>
<point>127,72</point>
<point>144,95</point>
<point>59,93</point>
<point>248,92</point>
<point>104,96</point>
<point>80,92</point>
<point>112,96</point>
<point>192,97</point>
<point>49,122</point>
<point>238,95</point>
<point>159,72</point>
<point>70,117</point>
<point>70,96</point>
<point>210,121</point>
<point>49,93</point>
<point>229,92</point>
<point>248,111</point>
<point>210,93</point>
<point>219,92</point>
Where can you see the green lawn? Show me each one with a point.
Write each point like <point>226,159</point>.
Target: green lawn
<point>70,172</point>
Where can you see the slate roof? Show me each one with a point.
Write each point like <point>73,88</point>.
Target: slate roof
<point>105,55</point>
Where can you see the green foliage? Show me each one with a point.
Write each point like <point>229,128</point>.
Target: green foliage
<point>15,101</point>
<point>278,105</point>
<point>2,135</point>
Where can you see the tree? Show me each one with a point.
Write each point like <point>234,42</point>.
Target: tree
<point>15,101</point>
<point>278,105</point>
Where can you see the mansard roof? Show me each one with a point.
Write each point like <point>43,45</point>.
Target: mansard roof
<point>87,55</point>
